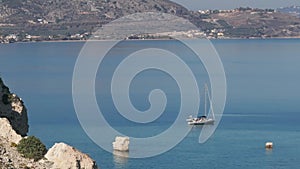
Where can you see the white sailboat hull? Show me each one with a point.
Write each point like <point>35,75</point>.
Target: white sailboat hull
<point>201,122</point>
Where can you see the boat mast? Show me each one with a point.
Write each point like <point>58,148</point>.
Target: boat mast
<point>210,102</point>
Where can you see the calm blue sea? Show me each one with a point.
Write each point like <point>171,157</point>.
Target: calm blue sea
<point>263,104</point>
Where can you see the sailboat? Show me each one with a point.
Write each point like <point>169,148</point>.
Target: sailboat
<point>202,120</point>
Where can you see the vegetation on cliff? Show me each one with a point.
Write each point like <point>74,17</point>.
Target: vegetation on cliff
<point>32,148</point>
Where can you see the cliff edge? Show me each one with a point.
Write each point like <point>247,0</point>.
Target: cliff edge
<point>12,108</point>
<point>14,128</point>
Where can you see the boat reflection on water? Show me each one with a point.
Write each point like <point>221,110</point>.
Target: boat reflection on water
<point>120,158</point>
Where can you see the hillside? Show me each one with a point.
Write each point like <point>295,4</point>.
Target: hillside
<point>33,20</point>
<point>52,17</point>
<point>246,22</point>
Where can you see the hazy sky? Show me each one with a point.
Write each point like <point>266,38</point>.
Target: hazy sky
<point>231,4</point>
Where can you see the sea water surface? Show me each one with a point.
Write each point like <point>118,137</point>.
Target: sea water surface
<point>263,104</point>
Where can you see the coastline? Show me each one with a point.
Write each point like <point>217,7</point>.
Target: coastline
<point>108,40</point>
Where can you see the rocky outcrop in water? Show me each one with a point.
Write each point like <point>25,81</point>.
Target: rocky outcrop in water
<point>121,144</point>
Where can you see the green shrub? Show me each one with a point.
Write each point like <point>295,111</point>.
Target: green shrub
<point>12,144</point>
<point>32,148</point>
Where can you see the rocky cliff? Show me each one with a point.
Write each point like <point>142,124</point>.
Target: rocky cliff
<point>8,133</point>
<point>14,127</point>
<point>12,108</point>
<point>9,156</point>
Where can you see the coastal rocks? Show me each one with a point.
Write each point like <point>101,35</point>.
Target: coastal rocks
<point>14,126</point>
<point>60,156</point>
<point>12,108</point>
<point>121,144</point>
<point>10,158</point>
<point>65,156</point>
<point>7,132</point>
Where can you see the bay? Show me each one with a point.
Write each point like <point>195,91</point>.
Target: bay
<point>262,104</point>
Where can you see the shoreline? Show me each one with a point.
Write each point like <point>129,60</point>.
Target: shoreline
<point>107,40</point>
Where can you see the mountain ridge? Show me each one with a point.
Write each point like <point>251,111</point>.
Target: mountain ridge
<point>35,20</point>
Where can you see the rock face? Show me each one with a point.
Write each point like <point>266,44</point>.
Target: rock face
<point>7,132</point>
<point>10,158</point>
<point>65,156</point>
<point>121,144</point>
<point>14,126</point>
<point>12,108</point>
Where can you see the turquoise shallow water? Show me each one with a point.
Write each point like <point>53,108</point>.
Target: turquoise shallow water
<point>262,105</point>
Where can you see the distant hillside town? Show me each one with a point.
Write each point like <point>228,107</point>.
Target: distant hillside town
<point>38,20</point>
